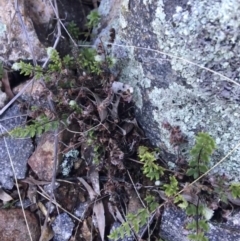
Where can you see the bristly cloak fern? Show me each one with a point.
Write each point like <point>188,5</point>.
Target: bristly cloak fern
<point>200,154</point>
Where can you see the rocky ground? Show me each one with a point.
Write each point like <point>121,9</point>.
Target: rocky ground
<point>74,160</point>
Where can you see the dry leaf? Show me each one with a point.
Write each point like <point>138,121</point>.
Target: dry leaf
<point>4,196</point>
<point>101,104</point>
<point>43,209</point>
<point>94,178</point>
<point>86,232</point>
<point>98,210</point>
<point>46,233</point>
<point>114,109</point>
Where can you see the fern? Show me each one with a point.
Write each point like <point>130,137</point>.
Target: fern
<point>152,170</point>
<point>35,129</point>
<point>135,221</point>
<point>171,188</point>
<point>200,225</point>
<point>200,155</point>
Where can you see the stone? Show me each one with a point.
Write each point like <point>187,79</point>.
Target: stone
<point>3,98</point>
<point>172,40</point>
<point>62,227</point>
<point>42,160</point>
<point>19,148</point>
<point>13,42</point>
<point>174,221</point>
<point>13,226</point>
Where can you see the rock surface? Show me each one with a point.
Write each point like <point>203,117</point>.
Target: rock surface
<point>152,40</point>
<point>62,227</point>
<point>13,41</point>
<point>13,226</point>
<point>42,160</point>
<point>169,89</point>
<point>19,148</point>
<point>174,220</point>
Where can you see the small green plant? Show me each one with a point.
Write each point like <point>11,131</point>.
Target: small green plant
<point>199,164</point>
<point>56,63</point>
<point>73,30</point>
<point>200,155</point>
<point>152,170</point>
<point>200,158</point>
<point>93,19</point>
<point>181,201</point>
<point>27,69</point>
<point>200,225</point>
<point>235,190</point>
<point>171,188</point>
<point>87,59</point>
<point>68,61</point>
<point>74,106</point>
<point>39,126</point>
<point>135,221</point>
<point>1,70</point>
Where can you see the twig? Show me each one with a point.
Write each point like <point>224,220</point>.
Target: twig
<point>55,9</point>
<point>52,197</point>
<point>136,189</point>
<point>177,57</point>
<point>58,205</point>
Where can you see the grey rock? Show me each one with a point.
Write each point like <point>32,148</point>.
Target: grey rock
<point>19,148</point>
<point>82,210</point>
<point>3,98</point>
<point>25,203</point>
<point>49,188</point>
<point>172,89</point>
<point>62,227</point>
<point>174,221</point>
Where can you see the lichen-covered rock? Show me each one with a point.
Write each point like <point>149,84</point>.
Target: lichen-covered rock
<point>173,90</point>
